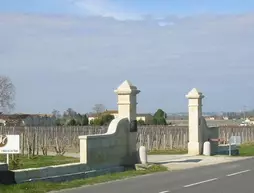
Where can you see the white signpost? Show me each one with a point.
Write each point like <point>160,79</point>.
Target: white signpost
<point>235,141</point>
<point>9,144</point>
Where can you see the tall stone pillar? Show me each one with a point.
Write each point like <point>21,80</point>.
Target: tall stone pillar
<point>127,108</point>
<point>195,143</point>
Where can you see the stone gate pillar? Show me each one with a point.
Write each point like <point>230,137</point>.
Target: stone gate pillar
<point>127,108</point>
<point>195,143</point>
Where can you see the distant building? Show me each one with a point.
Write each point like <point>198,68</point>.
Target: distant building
<point>209,118</point>
<point>247,121</point>
<point>146,117</point>
<point>27,120</point>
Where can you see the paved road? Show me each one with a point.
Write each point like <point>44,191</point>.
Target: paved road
<point>233,177</point>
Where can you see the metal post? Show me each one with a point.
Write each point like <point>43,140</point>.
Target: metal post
<point>229,149</point>
<point>230,140</point>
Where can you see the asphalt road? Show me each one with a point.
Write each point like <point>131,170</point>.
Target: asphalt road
<point>233,177</point>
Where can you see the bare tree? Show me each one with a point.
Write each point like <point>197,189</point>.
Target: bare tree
<point>70,113</point>
<point>7,94</point>
<point>99,108</point>
<point>56,114</point>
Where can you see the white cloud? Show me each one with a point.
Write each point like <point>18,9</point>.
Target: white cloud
<point>164,23</point>
<point>61,62</point>
<point>105,8</point>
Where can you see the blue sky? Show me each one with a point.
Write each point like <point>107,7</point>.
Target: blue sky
<point>36,6</point>
<point>158,7</point>
<point>187,7</point>
<point>58,60</point>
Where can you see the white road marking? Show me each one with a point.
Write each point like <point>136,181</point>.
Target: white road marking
<point>202,182</point>
<point>165,191</point>
<point>233,174</point>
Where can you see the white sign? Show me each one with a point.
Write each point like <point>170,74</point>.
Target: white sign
<point>235,140</point>
<point>9,144</point>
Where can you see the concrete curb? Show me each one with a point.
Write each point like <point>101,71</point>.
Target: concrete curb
<point>57,173</point>
<point>75,176</point>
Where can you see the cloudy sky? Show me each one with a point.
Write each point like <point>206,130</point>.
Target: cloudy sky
<point>74,53</point>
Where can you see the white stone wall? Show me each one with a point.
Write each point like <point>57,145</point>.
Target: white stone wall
<point>109,149</point>
<point>118,145</point>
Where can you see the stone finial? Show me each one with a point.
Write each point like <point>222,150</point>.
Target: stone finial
<point>127,88</point>
<point>194,94</point>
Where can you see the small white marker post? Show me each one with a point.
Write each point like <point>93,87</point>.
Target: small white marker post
<point>229,148</point>
<point>7,159</point>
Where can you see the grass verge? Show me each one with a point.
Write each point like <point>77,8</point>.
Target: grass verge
<point>43,187</point>
<point>246,149</point>
<point>168,152</point>
<point>23,162</point>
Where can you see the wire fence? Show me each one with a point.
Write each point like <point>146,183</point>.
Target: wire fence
<point>37,140</point>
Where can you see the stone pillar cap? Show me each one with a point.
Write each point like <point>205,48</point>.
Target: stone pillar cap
<point>127,88</point>
<point>194,94</point>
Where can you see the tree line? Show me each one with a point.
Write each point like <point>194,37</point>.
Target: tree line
<point>69,117</point>
<point>100,118</point>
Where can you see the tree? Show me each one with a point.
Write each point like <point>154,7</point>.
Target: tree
<point>160,113</point>
<point>58,122</point>
<point>98,109</point>
<point>107,118</point>
<point>84,120</point>
<point>97,122</point>
<point>159,121</point>
<point>72,122</point>
<point>7,94</point>
<point>56,114</point>
<point>91,122</point>
<point>78,119</point>
<point>70,113</point>
<point>141,122</point>
<point>159,117</point>
<point>102,120</point>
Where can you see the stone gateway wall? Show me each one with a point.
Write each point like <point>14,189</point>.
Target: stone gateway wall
<point>109,149</point>
<point>117,147</point>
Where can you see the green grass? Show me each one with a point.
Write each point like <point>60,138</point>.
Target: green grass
<point>168,152</point>
<point>37,161</point>
<point>42,187</point>
<point>247,149</point>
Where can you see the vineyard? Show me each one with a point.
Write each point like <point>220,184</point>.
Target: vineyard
<point>61,140</point>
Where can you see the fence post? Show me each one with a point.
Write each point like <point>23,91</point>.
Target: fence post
<point>171,141</point>
<point>148,142</point>
<point>157,143</point>
<point>184,139</point>
<point>23,143</point>
<point>164,139</point>
<point>34,145</point>
<point>37,143</point>
<point>140,139</point>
